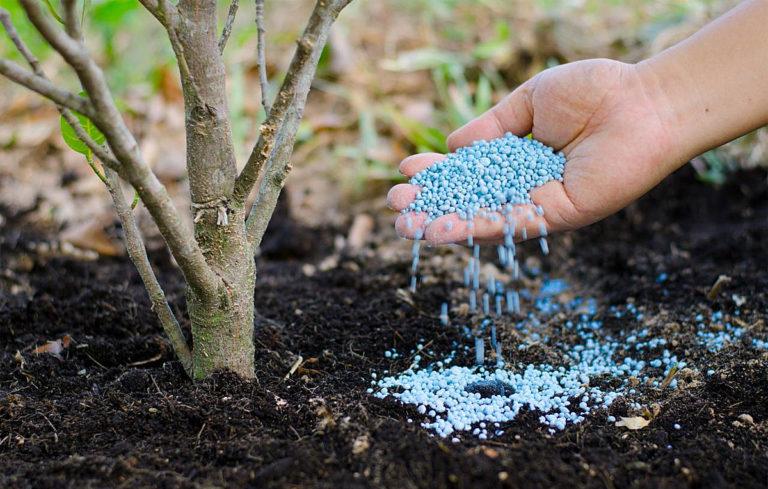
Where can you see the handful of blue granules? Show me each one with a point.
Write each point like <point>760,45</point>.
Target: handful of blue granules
<point>487,175</point>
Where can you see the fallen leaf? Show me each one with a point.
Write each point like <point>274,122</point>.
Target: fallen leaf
<point>746,419</point>
<point>90,235</point>
<point>359,232</point>
<point>633,423</point>
<point>54,347</point>
<point>721,281</point>
<point>490,452</point>
<point>360,445</point>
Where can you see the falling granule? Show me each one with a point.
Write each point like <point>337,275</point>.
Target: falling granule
<point>479,351</point>
<point>515,300</point>
<point>486,180</point>
<point>491,285</point>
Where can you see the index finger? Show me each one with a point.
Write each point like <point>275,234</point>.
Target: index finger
<point>419,162</point>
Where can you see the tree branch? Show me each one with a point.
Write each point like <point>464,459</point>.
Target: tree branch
<point>71,22</point>
<point>133,242</point>
<point>275,144</point>
<point>152,7</point>
<point>227,31</point>
<point>138,254</point>
<point>261,56</point>
<point>37,81</point>
<point>29,80</point>
<point>167,14</point>
<point>134,169</point>
<point>292,95</point>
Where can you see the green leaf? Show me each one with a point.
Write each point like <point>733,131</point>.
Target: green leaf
<point>424,137</point>
<point>70,136</point>
<point>496,47</point>
<point>112,14</point>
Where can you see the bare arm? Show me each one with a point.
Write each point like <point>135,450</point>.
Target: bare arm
<point>713,87</point>
<point>622,127</point>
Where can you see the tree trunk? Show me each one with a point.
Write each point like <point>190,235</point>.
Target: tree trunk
<point>222,320</point>
<point>222,325</point>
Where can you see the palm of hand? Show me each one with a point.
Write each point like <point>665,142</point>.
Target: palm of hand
<point>598,114</point>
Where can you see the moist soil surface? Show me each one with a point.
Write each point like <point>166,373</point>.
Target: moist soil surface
<point>116,410</point>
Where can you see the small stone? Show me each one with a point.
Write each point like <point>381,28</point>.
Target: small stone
<point>746,419</point>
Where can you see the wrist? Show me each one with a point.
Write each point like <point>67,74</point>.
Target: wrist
<point>710,88</point>
<point>667,89</point>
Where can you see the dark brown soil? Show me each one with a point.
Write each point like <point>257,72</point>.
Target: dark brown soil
<point>117,411</point>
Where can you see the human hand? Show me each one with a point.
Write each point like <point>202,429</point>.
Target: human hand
<point>600,113</point>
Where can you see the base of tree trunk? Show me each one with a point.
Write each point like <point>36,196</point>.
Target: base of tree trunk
<point>223,335</point>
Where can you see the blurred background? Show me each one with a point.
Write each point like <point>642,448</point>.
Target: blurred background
<point>396,78</point>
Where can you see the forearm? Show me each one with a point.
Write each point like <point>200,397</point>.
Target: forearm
<point>713,87</point>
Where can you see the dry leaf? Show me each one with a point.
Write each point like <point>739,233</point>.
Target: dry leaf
<point>54,347</point>
<point>90,235</point>
<point>361,444</point>
<point>633,423</point>
<point>359,232</point>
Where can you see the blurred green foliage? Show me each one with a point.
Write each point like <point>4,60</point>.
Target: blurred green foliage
<point>462,59</point>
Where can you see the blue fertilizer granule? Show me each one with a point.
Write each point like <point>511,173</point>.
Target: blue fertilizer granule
<point>487,175</point>
<point>596,367</point>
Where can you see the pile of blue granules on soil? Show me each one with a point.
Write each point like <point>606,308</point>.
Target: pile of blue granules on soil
<point>594,366</point>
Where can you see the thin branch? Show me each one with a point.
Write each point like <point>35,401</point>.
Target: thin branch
<point>227,31</point>
<point>71,21</point>
<point>152,7</point>
<point>271,185</point>
<point>289,105</point>
<point>292,95</point>
<point>134,169</point>
<point>138,254</point>
<point>29,80</point>
<point>102,153</point>
<point>261,56</point>
<point>133,242</point>
<point>5,20</point>
<point>167,14</point>
<point>36,81</point>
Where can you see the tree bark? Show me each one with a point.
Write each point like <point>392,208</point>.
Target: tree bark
<point>217,260</point>
<point>222,322</point>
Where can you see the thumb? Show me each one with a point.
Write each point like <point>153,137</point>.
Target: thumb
<point>513,114</point>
